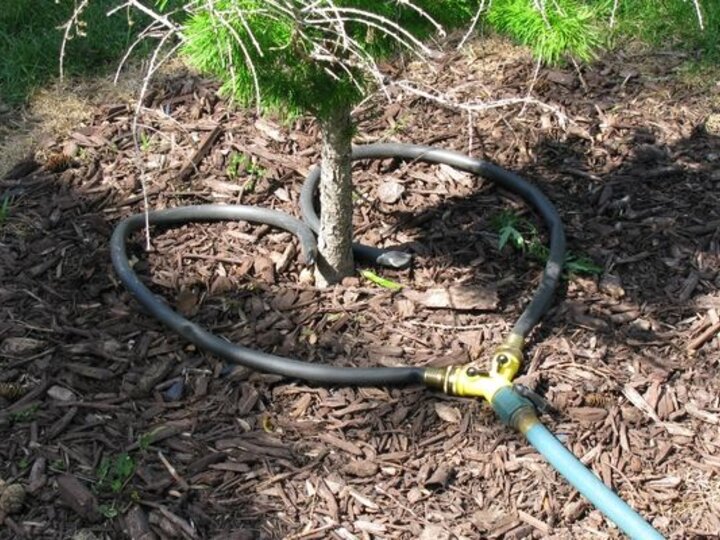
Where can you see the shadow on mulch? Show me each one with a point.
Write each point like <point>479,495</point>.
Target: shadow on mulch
<point>90,379</point>
<point>650,222</point>
<point>88,383</point>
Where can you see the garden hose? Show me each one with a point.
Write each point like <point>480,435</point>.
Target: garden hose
<point>494,386</point>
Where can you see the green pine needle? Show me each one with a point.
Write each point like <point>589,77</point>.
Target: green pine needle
<point>381,281</point>
<point>566,28</point>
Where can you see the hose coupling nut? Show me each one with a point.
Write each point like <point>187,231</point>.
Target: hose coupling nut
<point>514,409</point>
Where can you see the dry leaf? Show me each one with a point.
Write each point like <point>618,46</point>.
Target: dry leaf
<point>18,346</point>
<point>390,192</point>
<point>363,500</point>
<point>459,297</point>
<point>447,412</point>
<point>187,302</point>
<point>590,415</point>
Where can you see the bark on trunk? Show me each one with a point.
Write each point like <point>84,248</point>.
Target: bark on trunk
<point>335,260</point>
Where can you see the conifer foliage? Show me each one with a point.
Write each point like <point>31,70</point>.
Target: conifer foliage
<point>317,57</point>
<point>321,57</point>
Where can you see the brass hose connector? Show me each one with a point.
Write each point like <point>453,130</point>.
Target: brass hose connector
<point>469,381</point>
<point>508,357</point>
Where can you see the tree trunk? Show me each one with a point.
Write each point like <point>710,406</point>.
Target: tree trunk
<point>335,259</point>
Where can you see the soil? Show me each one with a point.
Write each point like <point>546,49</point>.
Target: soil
<point>116,427</point>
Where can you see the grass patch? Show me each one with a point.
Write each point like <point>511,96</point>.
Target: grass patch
<point>673,24</point>
<point>30,38</point>
<point>581,28</point>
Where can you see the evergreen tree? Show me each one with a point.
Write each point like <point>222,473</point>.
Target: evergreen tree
<point>320,57</point>
<point>315,57</point>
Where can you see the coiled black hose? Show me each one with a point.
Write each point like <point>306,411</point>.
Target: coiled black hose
<point>235,353</point>
<point>325,374</point>
<point>505,179</point>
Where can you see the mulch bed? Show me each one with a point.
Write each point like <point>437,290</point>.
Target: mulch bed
<point>115,426</point>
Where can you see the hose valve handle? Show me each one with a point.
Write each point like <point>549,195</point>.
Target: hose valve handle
<point>541,404</point>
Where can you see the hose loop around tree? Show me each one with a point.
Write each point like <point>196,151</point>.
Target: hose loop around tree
<point>507,180</point>
<point>318,373</point>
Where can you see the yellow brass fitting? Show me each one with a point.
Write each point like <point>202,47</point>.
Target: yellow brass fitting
<point>525,419</point>
<point>469,381</point>
<point>508,357</point>
<point>465,381</point>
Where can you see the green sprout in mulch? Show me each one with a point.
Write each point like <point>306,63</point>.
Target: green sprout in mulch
<point>5,209</point>
<point>523,236</point>
<point>114,473</point>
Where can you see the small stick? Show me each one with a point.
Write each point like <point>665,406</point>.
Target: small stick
<point>192,164</point>
<point>179,479</point>
<point>703,338</point>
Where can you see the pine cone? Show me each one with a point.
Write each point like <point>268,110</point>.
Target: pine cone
<point>12,391</point>
<point>12,498</point>
<point>712,124</point>
<point>58,162</point>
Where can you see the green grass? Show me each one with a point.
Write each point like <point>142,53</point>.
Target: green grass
<point>30,40</point>
<point>30,34</point>
<point>671,23</point>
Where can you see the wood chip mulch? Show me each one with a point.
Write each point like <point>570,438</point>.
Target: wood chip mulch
<point>114,427</point>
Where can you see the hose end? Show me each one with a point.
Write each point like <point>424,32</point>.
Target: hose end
<point>514,409</point>
<point>394,259</point>
<point>310,256</point>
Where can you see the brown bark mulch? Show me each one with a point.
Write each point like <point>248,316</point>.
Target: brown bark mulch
<point>115,427</point>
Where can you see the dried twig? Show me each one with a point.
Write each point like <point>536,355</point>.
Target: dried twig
<point>446,101</point>
<point>73,22</point>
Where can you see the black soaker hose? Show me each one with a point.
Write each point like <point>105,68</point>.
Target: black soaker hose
<point>235,353</point>
<point>304,370</point>
<point>510,181</point>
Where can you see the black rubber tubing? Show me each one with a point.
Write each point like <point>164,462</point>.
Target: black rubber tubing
<point>512,182</point>
<point>319,373</point>
<point>269,363</point>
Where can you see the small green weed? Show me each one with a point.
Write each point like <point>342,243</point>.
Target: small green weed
<point>235,165</point>
<point>145,441</point>
<point>25,415</point>
<point>507,225</point>
<point>581,265</point>
<point>524,236</point>
<point>110,511</point>
<point>114,473</point>
<point>144,141</point>
<point>239,164</point>
<point>57,465</point>
<point>5,209</point>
